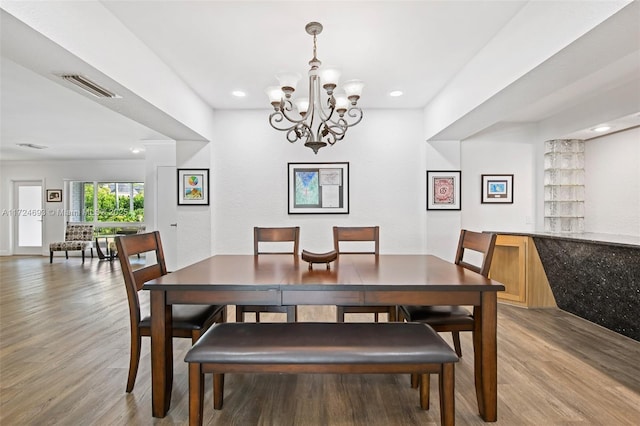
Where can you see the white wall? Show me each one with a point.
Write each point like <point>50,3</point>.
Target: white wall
<point>387,173</point>
<point>510,150</point>
<point>54,174</point>
<point>612,184</point>
<point>443,227</point>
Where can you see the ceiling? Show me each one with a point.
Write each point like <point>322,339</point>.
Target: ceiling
<point>217,47</point>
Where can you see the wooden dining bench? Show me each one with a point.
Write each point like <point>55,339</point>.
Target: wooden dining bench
<point>391,348</point>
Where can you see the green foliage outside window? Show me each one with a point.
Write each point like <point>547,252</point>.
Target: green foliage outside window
<point>114,202</point>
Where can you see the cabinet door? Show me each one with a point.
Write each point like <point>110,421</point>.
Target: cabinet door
<point>509,267</point>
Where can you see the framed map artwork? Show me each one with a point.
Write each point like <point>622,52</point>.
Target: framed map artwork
<point>318,188</point>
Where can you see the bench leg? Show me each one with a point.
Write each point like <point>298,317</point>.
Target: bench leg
<point>82,256</point>
<point>447,395</point>
<point>425,382</point>
<point>218,390</point>
<point>50,257</point>
<point>66,254</point>
<point>196,394</point>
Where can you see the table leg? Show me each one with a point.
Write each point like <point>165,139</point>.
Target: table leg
<point>101,254</point>
<point>485,350</point>
<point>161,353</point>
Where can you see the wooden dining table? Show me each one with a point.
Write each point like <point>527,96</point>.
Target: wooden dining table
<point>282,280</point>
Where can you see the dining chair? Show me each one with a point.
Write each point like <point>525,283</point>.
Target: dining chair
<point>189,321</point>
<point>456,318</point>
<point>271,241</point>
<point>360,239</point>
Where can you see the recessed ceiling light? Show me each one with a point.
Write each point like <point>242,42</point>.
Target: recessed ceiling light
<point>32,146</point>
<point>395,93</point>
<point>238,93</point>
<point>601,128</point>
<point>136,150</point>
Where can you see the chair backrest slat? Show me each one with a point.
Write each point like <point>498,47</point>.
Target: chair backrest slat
<point>134,279</point>
<point>357,233</point>
<point>481,242</point>
<point>276,235</point>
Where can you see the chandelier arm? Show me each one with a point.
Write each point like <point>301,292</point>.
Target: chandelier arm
<point>288,106</point>
<point>335,132</point>
<point>299,130</point>
<point>354,112</point>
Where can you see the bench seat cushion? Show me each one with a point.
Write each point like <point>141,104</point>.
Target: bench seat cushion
<point>321,343</point>
<point>70,245</point>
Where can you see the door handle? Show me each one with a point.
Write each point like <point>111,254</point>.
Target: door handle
<point>173,224</point>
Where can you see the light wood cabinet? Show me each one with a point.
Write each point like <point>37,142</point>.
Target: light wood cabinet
<point>516,264</point>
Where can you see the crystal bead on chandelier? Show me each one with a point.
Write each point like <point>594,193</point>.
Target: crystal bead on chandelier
<point>332,115</point>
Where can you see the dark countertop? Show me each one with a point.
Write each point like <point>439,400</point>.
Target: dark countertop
<point>593,276</point>
<point>587,237</point>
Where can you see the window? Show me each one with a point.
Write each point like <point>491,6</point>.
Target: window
<point>106,202</point>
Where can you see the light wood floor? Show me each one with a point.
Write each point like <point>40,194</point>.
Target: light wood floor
<point>64,351</point>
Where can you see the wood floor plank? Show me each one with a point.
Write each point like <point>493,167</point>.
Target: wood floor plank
<point>64,353</point>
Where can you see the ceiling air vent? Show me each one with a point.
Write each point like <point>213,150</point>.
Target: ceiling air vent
<point>89,86</point>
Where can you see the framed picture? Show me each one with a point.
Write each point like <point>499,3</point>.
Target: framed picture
<point>193,187</point>
<point>318,188</point>
<point>497,189</point>
<point>443,189</point>
<point>54,195</point>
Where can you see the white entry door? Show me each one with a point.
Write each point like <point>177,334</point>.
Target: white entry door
<point>167,214</point>
<point>28,214</point>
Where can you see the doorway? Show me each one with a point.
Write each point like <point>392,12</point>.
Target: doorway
<point>167,214</point>
<point>27,217</point>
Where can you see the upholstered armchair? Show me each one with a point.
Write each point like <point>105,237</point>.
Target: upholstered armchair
<point>76,237</point>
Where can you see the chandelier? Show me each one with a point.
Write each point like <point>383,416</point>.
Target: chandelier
<point>331,114</point>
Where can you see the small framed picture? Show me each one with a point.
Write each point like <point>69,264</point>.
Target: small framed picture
<point>497,189</point>
<point>54,195</point>
<point>193,187</point>
<point>443,190</point>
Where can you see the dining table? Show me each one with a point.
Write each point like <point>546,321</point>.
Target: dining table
<point>353,279</point>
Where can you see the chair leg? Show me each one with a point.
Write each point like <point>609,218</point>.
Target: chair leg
<point>415,380</point>
<point>393,314</point>
<point>134,360</point>
<point>82,256</point>
<point>446,386</point>
<point>218,390</point>
<point>196,394</point>
<point>425,384</point>
<point>92,253</point>
<point>292,313</point>
<point>50,256</point>
<point>66,254</point>
<point>456,343</point>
